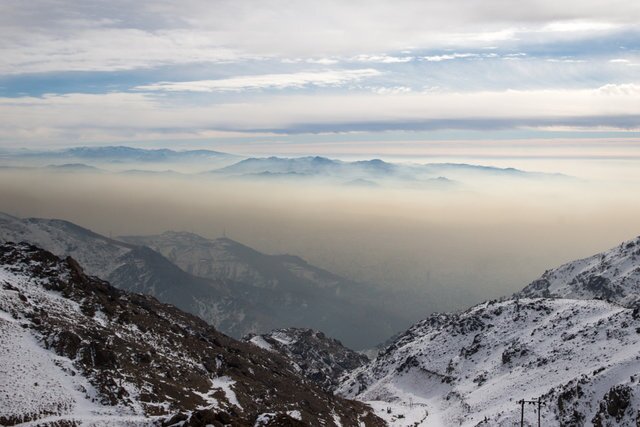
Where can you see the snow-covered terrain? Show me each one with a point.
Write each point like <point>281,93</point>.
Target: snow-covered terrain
<point>99,255</point>
<point>76,350</point>
<point>316,356</point>
<point>613,275</point>
<point>37,384</point>
<point>581,357</point>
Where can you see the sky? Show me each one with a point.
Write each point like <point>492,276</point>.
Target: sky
<point>349,76</point>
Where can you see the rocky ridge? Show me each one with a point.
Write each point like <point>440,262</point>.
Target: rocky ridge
<point>321,359</point>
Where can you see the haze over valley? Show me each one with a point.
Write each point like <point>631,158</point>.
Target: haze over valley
<point>448,234</point>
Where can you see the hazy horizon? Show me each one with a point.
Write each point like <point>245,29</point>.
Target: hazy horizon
<point>453,247</point>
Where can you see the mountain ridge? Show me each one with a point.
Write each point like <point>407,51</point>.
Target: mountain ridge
<point>612,275</point>
<point>253,292</point>
<point>302,289</point>
<point>322,359</point>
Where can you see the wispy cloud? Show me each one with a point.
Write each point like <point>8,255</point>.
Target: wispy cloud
<point>446,57</point>
<point>383,59</point>
<point>47,36</point>
<point>112,49</point>
<point>265,81</point>
<point>78,117</point>
<point>100,70</point>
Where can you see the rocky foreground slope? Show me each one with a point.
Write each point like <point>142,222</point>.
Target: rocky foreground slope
<point>75,350</point>
<point>581,357</point>
<point>321,359</point>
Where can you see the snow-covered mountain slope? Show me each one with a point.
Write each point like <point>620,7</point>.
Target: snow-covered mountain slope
<point>97,254</point>
<point>296,292</point>
<point>581,357</point>
<point>75,350</point>
<point>140,269</point>
<point>613,275</point>
<point>316,356</point>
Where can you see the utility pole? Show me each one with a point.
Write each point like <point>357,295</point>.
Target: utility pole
<point>530,402</point>
<point>539,407</point>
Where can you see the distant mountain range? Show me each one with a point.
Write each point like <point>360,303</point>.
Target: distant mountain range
<point>77,351</point>
<point>127,154</point>
<point>311,166</point>
<point>235,288</point>
<point>371,173</point>
<point>117,159</point>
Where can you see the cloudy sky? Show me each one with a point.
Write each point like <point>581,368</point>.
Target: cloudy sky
<point>236,72</point>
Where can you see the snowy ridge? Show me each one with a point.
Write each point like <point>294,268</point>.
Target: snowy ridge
<point>579,356</point>
<point>613,275</point>
<point>138,269</point>
<point>98,255</point>
<point>78,351</point>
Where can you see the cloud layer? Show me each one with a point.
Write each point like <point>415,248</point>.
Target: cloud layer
<point>265,81</point>
<point>80,71</point>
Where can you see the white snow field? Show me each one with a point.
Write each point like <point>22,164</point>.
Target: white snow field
<point>37,385</point>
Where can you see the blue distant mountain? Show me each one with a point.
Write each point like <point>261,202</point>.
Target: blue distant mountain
<point>373,171</point>
<point>73,167</point>
<point>313,166</point>
<point>129,154</point>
